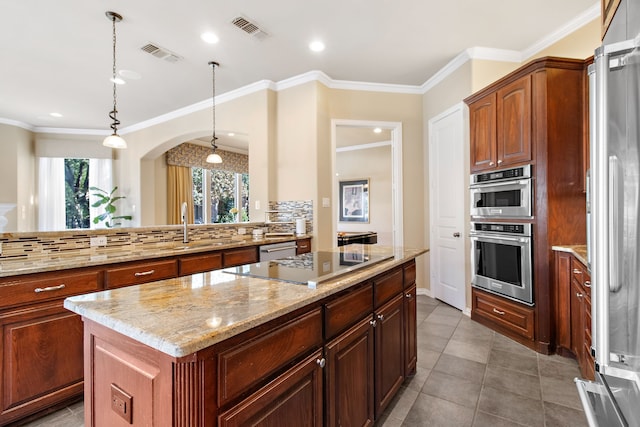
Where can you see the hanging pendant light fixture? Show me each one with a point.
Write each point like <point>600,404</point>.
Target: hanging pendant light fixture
<point>114,140</point>
<point>214,157</point>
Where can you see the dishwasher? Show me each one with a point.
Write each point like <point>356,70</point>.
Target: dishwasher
<point>277,250</point>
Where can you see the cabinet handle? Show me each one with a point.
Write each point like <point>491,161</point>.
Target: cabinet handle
<point>491,163</point>
<point>303,246</point>
<point>381,317</point>
<point>579,294</point>
<point>49,288</point>
<point>501,313</point>
<point>499,162</point>
<point>587,283</point>
<point>577,271</point>
<point>372,323</point>
<point>407,295</point>
<point>144,273</point>
<point>321,362</point>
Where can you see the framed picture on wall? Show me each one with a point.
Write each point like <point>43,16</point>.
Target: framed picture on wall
<point>354,200</point>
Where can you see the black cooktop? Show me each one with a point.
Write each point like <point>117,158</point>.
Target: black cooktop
<point>312,268</point>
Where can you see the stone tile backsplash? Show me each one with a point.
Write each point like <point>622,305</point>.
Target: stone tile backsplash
<point>26,245</point>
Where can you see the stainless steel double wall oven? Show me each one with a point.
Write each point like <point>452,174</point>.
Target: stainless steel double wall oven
<point>501,233</point>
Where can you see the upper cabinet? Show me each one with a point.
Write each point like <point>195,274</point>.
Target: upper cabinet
<point>609,8</point>
<point>501,127</point>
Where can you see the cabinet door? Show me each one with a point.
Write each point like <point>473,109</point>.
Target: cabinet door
<point>563,299</point>
<point>304,246</point>
<point>349,377</point>
<point>514,122</point>
<point>482,120</point>
<point>410,331</point>
<point>389,347</point>
<point>577,315</point>
<point>41,357</point>
<point>294,399</point>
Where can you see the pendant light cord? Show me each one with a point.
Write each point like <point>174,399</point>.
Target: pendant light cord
<point>114,112</point>
<point>213,100</point>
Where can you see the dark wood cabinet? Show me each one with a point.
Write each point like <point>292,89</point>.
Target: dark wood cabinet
<point>573,311</point>
<point>199,263</point>
<point>389,352</point>
<point>410,331</point>
<point>42,361</point>
<point>513,130</point>
<point>303,246</point>
<point>482,120</point>
<point>349,376</point>
<point>136,273</point>
<point>294,399</point>
<point>539,116</point>
<point>233,257</point>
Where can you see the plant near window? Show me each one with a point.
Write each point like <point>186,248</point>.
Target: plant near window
<point>107,199</point>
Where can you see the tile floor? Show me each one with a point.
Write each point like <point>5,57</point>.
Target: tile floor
<point>467,375</point>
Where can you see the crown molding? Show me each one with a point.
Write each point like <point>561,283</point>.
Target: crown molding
<point>16,123</point>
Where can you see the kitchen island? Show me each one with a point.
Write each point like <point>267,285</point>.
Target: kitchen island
<point>215,348</point>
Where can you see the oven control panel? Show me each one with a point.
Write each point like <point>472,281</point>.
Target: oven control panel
<point>502,228</point>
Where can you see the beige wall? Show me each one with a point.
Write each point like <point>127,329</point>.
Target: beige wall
<point>580,44</point>
<point>17,175</point>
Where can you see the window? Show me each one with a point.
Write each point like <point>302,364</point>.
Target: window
<point>64,197</point>
<point>226,194</point>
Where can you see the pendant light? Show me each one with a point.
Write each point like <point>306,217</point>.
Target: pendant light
<point>214,157</point>
<point>114,140</point>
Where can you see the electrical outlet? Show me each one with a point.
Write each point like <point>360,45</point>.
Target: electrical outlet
<point>257,205</point>
<point>98,241</point>
<point>326,202</point>
<point>121,402</point>
<point>242,230</point>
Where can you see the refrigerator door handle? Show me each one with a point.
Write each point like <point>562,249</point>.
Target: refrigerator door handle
<point>615,222</point>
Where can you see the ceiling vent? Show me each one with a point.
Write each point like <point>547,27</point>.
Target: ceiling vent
<point>160,52</point>
<point>250,28</point>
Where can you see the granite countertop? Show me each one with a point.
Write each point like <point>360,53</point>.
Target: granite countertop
<point>183,315</point>
<point>112,255</point>
<point>579,251</point>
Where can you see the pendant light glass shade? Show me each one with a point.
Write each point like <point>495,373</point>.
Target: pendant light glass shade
<point>213,157</point>
<point>114,140</point>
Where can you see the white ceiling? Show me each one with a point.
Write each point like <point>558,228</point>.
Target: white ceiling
<point>56,55</point>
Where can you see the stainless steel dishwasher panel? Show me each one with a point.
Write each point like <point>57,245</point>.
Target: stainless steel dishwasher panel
<point>277,251</point>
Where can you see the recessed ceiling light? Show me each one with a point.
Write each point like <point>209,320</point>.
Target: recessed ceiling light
<point>58,115</point>
<point>316,46</point>
<point>117,81</point>
<point>232,134</point>
<point>130,74</point>
<point>209,38</point>
<point>377,130</point>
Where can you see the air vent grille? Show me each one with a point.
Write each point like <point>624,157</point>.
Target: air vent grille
<point>249,27</point>
<point>161,53</point>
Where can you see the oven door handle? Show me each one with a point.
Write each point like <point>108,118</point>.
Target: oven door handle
<point>498,184</point>
<point>498,239</point>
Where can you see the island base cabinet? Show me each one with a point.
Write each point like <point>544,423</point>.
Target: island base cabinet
<point>41,359</point>
<point>294,399</point>
<point>349,377</point>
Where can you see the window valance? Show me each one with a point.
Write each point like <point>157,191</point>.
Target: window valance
<point>193,155</point>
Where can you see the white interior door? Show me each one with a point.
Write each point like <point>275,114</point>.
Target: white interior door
<point>447,206</point>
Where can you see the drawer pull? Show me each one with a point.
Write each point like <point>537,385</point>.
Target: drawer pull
<point>49,288</point>
<point>303,246</point>
<point>321,362</point>
<point>407,295</point>
<point>579,294</point>
<point>381,317</point>
<point>576,271</point>
<point>501,313</point>
<point>372,323</point>
<point>144,273</point>
<point>587,283</point>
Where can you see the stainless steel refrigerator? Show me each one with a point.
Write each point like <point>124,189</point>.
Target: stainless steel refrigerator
<point>613,399</point>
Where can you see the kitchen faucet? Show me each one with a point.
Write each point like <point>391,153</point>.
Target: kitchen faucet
<point>185,236</point>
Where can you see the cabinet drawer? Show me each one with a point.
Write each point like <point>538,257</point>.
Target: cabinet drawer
<point>512,316</point>
<point>244,366</point>
<point>143,272</point>
<point>346,310</point>
<point>409,274</point>
<point>304,246</point>
<point>40,287</point>
<point>199,263</point>
<point>240,256</point>
<point>580,273</point>
<point>387,286</point>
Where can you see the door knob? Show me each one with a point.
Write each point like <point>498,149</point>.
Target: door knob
<point>456,234</point>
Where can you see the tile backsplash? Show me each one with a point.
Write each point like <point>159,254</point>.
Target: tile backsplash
<point>25,245</point>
